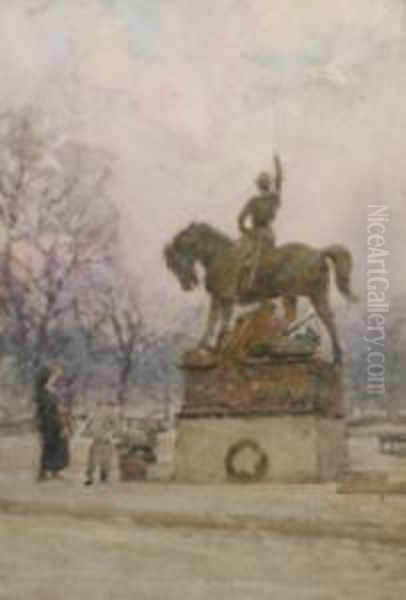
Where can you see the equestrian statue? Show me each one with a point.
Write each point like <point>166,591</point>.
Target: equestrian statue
<point>254,269</point>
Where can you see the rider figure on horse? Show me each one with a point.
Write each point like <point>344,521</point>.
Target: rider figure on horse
<point>255,223</point>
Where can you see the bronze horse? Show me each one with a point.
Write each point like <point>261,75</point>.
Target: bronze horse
<point>287,271</point>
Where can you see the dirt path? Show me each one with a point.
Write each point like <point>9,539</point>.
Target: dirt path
<point>60,558</point>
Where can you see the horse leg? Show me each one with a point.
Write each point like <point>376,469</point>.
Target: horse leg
<point>227,313</point>
<point>212,320</point>
<point>322,308</point>
<point>290,307</point>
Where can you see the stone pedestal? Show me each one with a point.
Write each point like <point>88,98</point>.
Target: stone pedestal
<point>268,422</point>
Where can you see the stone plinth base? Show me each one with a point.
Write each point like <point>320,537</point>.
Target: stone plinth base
<point>284,448</point>
<point>235,389</point>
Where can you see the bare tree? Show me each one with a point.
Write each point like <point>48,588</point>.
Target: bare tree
<point>112,326</point>
<point>55,220</point>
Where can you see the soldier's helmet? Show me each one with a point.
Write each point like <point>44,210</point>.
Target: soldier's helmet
<point>264,180</point>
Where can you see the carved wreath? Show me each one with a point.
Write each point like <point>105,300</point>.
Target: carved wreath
<point>261,464</point>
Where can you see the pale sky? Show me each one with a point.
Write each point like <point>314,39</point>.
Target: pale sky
<point>193,98</point>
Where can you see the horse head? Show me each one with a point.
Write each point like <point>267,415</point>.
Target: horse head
<point>181,259</point>
<point>197,243</point>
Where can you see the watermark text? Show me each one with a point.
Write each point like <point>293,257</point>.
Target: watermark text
<point>377,298</point>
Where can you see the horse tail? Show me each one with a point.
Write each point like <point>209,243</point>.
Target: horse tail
<point>342,260</point>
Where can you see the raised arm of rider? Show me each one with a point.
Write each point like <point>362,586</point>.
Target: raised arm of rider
<point>278,172</point>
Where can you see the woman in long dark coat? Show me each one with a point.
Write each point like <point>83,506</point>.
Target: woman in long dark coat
<point>51,426</point>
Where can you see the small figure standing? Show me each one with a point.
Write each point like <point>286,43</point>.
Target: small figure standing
<point>104,427</point>
<point>53,424</point>
<point>255,223</point>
